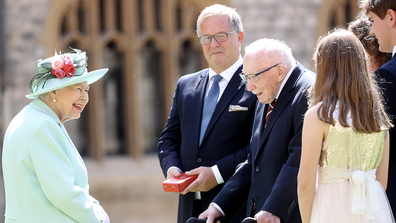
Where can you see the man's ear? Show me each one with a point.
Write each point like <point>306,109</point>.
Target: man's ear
<point>392,16</point>
<point>281,72</point>
<point>240,38</point>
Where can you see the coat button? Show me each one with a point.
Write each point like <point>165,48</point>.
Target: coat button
<point>199,160</point>
<point>257,169</point>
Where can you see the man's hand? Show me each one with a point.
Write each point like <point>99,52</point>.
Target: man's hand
<point>266,217</point>
<point>211,213</point>
<point>173,172</point>
<point>206,180</point>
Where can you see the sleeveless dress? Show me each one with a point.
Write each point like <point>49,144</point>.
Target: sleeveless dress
<point>346,188</point>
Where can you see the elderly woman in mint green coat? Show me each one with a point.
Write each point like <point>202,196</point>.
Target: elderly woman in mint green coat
<point>44,176</point>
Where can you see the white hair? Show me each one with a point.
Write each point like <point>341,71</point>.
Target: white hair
<point>272,49</point>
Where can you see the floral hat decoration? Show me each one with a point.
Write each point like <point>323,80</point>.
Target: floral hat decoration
<point>61,71</point>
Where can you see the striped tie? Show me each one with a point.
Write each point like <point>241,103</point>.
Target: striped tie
<point>269,111</point>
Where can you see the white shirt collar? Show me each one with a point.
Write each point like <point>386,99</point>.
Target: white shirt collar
<point>285,80</point>
<point>229,72</point>
<point>394,51</point>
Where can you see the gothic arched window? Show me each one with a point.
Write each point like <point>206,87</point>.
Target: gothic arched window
<point>336,13</point>
<point>147,45</point>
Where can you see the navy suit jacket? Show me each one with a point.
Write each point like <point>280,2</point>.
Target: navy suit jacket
<point>225,142</point>
<point>387,83</point>
<point>268,179</point>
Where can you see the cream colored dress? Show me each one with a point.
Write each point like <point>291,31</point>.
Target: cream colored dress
<point>346,188</point>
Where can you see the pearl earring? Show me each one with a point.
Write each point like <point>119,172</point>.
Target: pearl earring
<point>54,100</point>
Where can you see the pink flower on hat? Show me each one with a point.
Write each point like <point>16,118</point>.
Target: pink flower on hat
<point>69,70</point>
<point>67,59</point>
<point>57,63</point>
<point>59,73</point>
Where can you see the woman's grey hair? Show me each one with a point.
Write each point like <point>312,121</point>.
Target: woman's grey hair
<point>272,49</point>
<point>44,96</point>
<point>234,19</point>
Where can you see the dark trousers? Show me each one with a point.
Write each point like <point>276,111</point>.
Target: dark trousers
<point>197,208</point>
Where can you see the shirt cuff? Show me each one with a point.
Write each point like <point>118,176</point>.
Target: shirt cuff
<point>173,167</point>
<point>217,174</point>
<point>218,208</point>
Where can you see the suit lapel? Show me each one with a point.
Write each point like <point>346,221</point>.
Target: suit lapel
<point>198,102</point>
<point>260,115</point>
<point>233,87</point>
<point>257,130</point>
<point>281,104</point>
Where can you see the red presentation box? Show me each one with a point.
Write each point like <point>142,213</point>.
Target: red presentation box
<point>178,184</point>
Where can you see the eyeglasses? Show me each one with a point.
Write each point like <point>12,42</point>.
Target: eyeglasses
<point>254,77</point>
<point>219,37</point>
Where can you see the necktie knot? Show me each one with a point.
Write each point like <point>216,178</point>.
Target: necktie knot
<point>272,104</point>
<point>269,111</point>
<point>217,78</point>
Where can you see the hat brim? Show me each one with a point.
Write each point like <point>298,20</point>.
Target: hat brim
<point>90,77</point>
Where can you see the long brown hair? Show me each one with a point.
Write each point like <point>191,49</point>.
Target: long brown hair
<point>343,78</point>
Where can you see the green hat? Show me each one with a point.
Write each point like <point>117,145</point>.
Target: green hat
<point>61,71</point>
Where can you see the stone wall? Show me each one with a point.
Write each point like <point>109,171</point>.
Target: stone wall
<point>24,23</point>
<point>294,21</point>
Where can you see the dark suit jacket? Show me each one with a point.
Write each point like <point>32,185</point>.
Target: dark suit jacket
<point>387,83</point>
<point>226,139</point>
<point>268,179</point>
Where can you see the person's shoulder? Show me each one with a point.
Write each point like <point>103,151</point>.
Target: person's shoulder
<point>192,79</point>
<point>31,115</point>
<point>386,71</point>
<point>390,66</point>
<point>309,75</point>
<point>306,74</point>
<point>312,114</point>
<point>315,108</point>
<point>31,121</point>
<point>198,74</point>
<point>37,118</point>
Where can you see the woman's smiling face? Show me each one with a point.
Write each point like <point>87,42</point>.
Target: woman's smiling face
<point>70,101</point>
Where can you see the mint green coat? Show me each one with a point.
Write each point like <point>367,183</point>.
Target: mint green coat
<point>44,176</point>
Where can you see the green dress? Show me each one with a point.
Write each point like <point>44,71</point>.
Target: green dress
<point>346,189</point>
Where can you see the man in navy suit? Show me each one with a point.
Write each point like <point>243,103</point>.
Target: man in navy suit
<point>268,179</point>
<point>382,14</point>
<point>184,145</point>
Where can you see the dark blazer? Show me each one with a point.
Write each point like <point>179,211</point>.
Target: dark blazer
<point>226,139</point>
<point>387,83</point>
<point>268,179</point>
